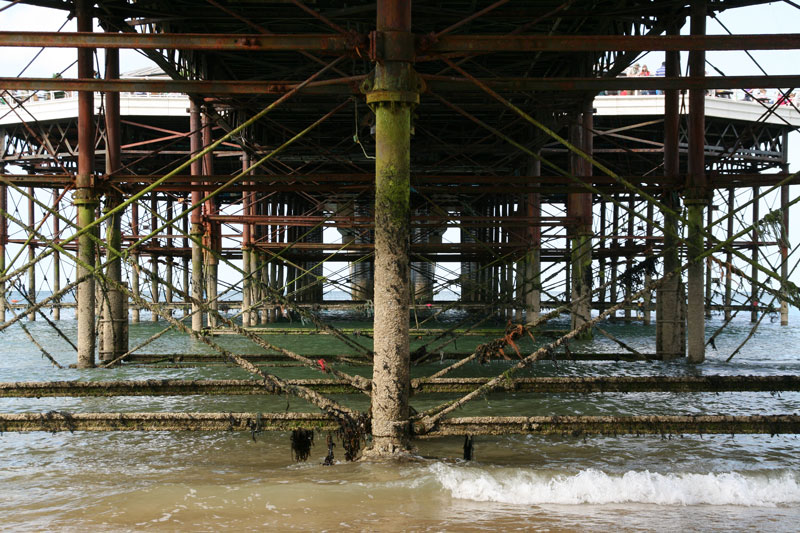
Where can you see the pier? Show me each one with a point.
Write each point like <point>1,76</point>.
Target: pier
<point>399,162</point>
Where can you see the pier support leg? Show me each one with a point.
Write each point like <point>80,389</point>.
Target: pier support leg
<point>168,274</point>
<point>696,194</point>
<point>247,282</point>
<point>579,205</point>
<point>696,307</point>
<point>785,247</point>
<point>84,198</point>
<point>56,257</point>
<point>533,262</point>
<point>729,260</point>
<point>115,317</point>
<point>31,252</point>
<point>3,242</point>
<point>196,141</point>
<point>755,301</point>
<point>212,230</point>
<point>670,297</point>
<point>393,94</point>
<point>154,274</point>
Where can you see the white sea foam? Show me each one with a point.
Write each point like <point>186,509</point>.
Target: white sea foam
<point>528,487</point>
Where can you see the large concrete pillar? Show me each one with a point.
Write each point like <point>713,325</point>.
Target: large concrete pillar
<point>196,142</point>
<point>84,198</point>
<point>393,94</point>
<point>696,194</point>
<point>670,297</point>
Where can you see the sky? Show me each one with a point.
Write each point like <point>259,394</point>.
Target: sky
<point>776,17</point>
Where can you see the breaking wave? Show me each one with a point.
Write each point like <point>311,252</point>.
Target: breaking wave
<point>527,487</point>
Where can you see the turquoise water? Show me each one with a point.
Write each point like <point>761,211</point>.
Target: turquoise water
<point>216,481</point>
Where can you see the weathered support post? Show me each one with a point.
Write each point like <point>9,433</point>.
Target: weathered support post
<point>648,277</point>
<point>168,296</point>
<point>601,267</point>
<point>247,282</point>
<point>154,275</point>
<point>31,251</point>
<point>754,299</point>
<point>185,270</point>
<point>629,255</point>
<point>3,243</point>
<point>115,342</point>
<point>709,288</point>
<point>56,255</point>
<point>784,244</point>
<point>84,197</point>
<point>195,143</point>
<point>533,262</point>
<point>696,193</point>
<point>135,290</point>
<point>392,93</point>
<point>670,301</point>
<point>579,206</point>
<point>614,254</point>
<point>211,228</point>
<point>729,259</point>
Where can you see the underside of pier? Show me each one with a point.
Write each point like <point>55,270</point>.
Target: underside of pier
<point>400,161</point>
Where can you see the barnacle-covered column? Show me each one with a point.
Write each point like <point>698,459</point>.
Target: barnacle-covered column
<point>392,92</point>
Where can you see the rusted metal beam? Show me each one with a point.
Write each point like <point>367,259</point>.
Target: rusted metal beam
<point>455,84</point>
<point>622,43</point>
<point>297,182</point>
<point>348,85</point>
<point>185,41</point>
<point>216,87</point>
<point>416,221</point>
<point>449,43</point>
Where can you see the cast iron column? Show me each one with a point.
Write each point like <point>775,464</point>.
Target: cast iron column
<point>670,300</point>
<point>696,193</point>
<point>84,198</point>
<point>392,93</point>
<point>196,140</point>
<point>114,338</point>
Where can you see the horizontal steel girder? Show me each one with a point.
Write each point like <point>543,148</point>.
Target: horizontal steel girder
<point>337,43</point>
<point>349,85</point>
<point>181,41</point>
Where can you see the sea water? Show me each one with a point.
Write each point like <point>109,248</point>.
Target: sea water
<point>162,481</point>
